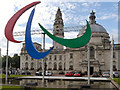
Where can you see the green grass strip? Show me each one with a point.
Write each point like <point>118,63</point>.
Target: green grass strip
<point>5,87</point>
<point>3,76</point>
<point>117,80</point>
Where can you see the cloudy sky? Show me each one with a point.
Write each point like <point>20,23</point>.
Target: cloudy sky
<point>74,13</point>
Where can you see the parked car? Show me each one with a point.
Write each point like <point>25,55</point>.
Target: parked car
<point>105,74</point>
<point>115,74</point>
<point>48,73</point>
<point>25,73</point>
<point>69,74</point>
<point>73,72</point>
<point>61,73</point>
<point>96,74</point>
<point>38,73</point>
<point>77,74</point>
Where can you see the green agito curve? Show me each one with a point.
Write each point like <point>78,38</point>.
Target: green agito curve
<point>72,43</point>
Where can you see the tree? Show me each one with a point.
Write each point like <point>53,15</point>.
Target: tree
<point>4,61</point>
<point>15,61</point>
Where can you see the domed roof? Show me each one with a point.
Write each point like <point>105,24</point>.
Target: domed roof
<point>95,28</point>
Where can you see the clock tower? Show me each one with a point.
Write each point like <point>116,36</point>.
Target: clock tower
<point>58,30</point>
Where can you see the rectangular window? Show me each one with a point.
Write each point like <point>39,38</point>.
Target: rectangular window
<point>113,54</point>
<point>71,55</point>
<point>50,57</point>
<point>26,57</point>
<point>60,57</point>
<point>55,57</point>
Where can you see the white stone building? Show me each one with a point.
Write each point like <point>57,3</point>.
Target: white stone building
<point>76,59</point>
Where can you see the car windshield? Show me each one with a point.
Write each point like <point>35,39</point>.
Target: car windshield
<point>76,72</point>
<point>106,73</point>
<point>68,72</point>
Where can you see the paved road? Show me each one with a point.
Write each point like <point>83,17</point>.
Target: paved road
<point>66,78</point>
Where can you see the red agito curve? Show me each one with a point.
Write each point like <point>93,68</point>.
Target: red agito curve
<point>11,23</point>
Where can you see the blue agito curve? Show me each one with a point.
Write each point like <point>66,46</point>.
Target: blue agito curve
<point>28,42</point>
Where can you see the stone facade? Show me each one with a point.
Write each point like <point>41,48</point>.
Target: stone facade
<point>68,59</point>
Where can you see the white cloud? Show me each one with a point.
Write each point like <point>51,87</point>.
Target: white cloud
<point>108,16</point>
<point>48,45</point>
<point>85,5</point>
<point>96,4</point>
<point>90,4</point>
<point>71,35</point>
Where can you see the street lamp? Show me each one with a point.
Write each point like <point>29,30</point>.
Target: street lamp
<point>88,55</point>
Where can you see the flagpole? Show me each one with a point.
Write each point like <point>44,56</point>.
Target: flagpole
<point>88,55</point>
<point>111,62</point>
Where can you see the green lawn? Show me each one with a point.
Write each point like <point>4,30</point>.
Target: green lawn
<point>32,88</point>
<point>117,80</point>
<point>12,88</point>
<point>3,76</point>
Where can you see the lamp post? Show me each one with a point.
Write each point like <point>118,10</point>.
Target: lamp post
<point>43,65</point>
<point>88,55</point>
<point>111,62</point>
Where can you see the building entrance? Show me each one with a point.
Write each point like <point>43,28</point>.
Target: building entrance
<point>91,70</point>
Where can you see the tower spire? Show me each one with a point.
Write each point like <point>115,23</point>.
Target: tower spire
<point>92,17</point>
<point>58,17</point>
<point>58,29</point>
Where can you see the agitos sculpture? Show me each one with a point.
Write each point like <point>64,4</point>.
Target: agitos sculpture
<point>72,43</point>
<point>28,42</point>
<point>11,23</point>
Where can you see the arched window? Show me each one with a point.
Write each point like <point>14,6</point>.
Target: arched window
<point>71,65</point>
<point>55,66</point>
<point>60,66</point>
<point>49,66</point>
<point>26,65</point>
<point>92,52</point>
<point>32,66</point>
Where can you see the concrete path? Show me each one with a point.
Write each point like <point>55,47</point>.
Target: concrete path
<point>65,78</point>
